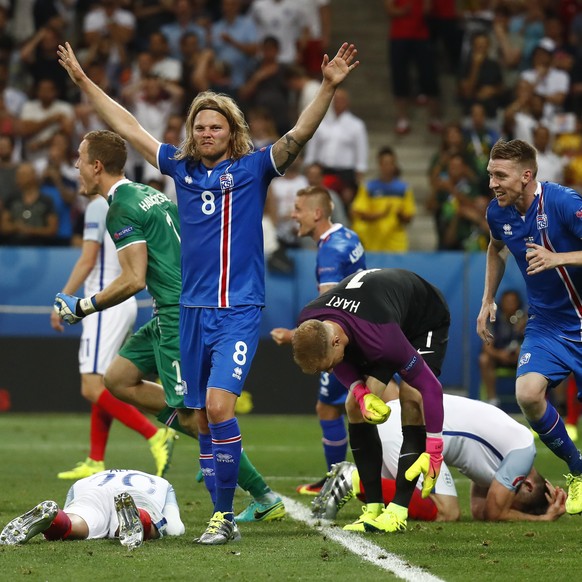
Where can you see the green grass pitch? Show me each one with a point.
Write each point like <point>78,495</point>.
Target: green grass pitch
<point>287,450</point>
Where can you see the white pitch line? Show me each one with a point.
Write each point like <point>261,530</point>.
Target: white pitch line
<point>360,546</point>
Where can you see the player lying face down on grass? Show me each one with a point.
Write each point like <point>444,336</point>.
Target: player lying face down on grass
<point>124,504</point>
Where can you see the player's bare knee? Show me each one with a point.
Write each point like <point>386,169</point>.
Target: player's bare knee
<point>91,386</point>
<point>528,398</point>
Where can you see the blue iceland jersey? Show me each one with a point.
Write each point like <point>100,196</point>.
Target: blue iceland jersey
<point>554,221</point>
<point>340,253</point>
<point>221,212</point>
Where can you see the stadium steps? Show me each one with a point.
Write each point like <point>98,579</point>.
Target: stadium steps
<point>367,27</point>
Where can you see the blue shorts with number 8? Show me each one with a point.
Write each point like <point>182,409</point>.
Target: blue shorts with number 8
<point>217,347</point>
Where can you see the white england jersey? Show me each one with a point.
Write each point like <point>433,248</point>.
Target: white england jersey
<point>92,499</point>
<point>107,266</point>
<point>104,332</point>
<point>480,440</point>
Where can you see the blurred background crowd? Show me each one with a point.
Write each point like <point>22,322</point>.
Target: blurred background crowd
<point>477,69</point>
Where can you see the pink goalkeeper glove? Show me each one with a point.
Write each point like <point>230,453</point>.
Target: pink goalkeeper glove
<point>429,464</point>
<point>374,409</point>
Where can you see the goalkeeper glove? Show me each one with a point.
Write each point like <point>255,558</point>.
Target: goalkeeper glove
<point>429,464</point>
<point>72,309</point>
<point>374,409</point>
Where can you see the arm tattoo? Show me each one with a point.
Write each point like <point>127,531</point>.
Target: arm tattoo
<point>285,151</point>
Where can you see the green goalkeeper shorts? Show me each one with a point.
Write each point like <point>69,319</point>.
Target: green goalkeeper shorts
<point>155,349</point>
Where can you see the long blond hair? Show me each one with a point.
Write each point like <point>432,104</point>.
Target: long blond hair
<point>240,135</point>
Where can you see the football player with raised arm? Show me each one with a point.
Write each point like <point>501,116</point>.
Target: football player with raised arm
<point>144,225</point>
<point>221,186</point>
<point>540,223</point>
<point>374,324</point>
<point>339,254</point>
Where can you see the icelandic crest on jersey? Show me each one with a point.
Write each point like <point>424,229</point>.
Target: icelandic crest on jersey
<point>507,230</point>
<point>226,183</point>
<point>542,221</point>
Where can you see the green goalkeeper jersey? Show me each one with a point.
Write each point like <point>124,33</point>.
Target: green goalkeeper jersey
<point>141,214</point>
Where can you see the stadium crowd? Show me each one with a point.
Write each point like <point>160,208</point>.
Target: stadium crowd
<point>517,68</point>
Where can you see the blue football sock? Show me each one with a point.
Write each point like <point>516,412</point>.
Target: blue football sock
<point>335,440</point>
<point>226,450</point>
<point>552,431</point>
<point>207,464</point>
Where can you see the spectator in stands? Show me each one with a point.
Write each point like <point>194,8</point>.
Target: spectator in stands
<point>211,74</point>
<point>56,13</point>
<point>86,119</point>
<point>189,54</point>
<point>524,113</point>
<point>479,140</point>
<point>340,145</point>
<point>551,83</point>
<point>151,100</point>
<point>409,44</point>
<point>29,219</point>
<point>444,25</point>
<point>266,86</point>
<point>8,167</point>
<point>461,223</point>
<point>507,44</point>
<point>281,203</point>
<point>42,117</point>
<point>303,87</point>
<point>13,99</point>
<point>384,207</point>
<point>569,145</point>
<point>528,22</point>
<point>58,168</point>
<point>234,40</point>
<point>183,23</point>
<point>150,15</point>
<point>481,78</point>
<point>452,143</point>
<point>163,65</point>
<point>284,20</point>
<point>107,20</point>
<point>262,127</point>
<point>508,330</point>
<point>318,18</point>
<point>38,55</point>
<point>550,165</point>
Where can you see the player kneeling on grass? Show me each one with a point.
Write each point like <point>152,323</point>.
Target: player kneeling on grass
<point>129,505</point>
<point>494,451</point>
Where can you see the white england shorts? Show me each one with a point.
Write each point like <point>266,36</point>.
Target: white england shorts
<point>103,335</point>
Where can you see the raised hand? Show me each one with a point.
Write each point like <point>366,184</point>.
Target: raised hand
<point>336,70</point>
<point>69,62</point>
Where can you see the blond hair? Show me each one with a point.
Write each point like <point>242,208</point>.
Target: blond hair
<point>321,196</point>
<point>240,136</point>
<point>310,345</point>
<point>516,150</point>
